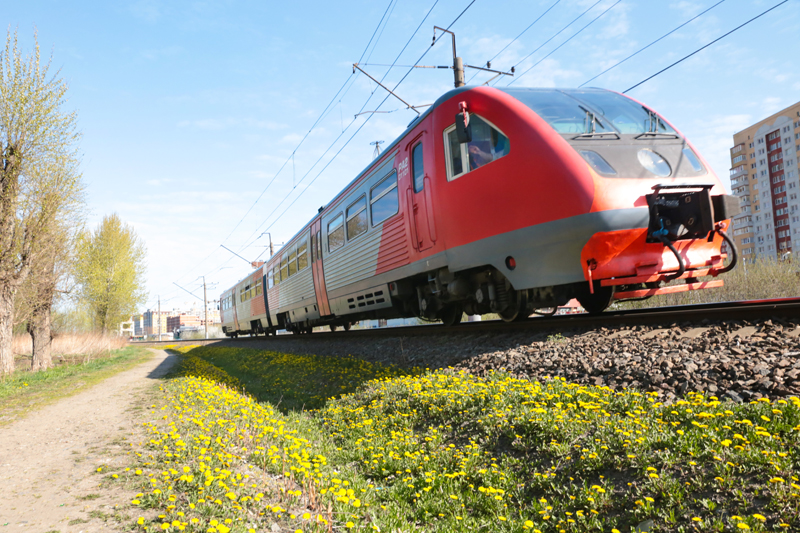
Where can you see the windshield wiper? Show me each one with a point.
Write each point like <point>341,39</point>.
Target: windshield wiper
<point>653,124</point>
<point>590,127</point>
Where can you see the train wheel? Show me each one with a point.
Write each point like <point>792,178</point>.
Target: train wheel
<point>347,326</point>
<point>333,327</point>
<point>598,302</point>
<point>450,314</point>
<point>517,310</point>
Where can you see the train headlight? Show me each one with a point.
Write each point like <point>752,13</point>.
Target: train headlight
<point>654,163</point>
<point>597,162</point>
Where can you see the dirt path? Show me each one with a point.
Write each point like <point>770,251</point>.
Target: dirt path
<point>49,460</point>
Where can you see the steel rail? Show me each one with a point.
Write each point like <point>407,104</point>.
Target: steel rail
<point>781,308</point>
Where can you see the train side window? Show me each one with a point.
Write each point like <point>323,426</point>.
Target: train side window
<point>319,244</point>
<point>357,218</point>
<point>292,263</point>
<point>418,167</point>
<point>383,199</point>
<point>277,273</point>
<point>259,288</point>
<point>302,256</point>
<point>284,268</point>
<point>270,279</point>
<point>313,247</point>
<point>488,144</point>
<point>454,154</point>
<point>336,233</point>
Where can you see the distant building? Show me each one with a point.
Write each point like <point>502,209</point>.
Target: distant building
<point>150,321</point>
<point>183,321</point>
<point>764,175</point>
<point>138,322</point>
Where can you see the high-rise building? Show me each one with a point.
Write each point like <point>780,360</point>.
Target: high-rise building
<point>150,320</point>
<point>764,175</point>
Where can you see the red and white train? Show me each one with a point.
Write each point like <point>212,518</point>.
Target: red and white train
<point>505,201</point>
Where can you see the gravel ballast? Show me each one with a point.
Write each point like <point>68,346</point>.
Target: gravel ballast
<point>736,360</point>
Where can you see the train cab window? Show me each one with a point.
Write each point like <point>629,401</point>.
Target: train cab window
<point>259,288</point>
<point>276,271</point>
<point>302,256</point>
<point>418,168</point>
<point>319,244</point>
<point>488,144</point>
<point>313,247</point>
<point>284,269</point>
<point>357,218</point>
<point>292,263</point>
<point>336,233</point>
<point>270,280</point>
<point>383,199</point>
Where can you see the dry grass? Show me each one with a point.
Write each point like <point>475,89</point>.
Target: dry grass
<point>86,345</point>
<point>762,279</point>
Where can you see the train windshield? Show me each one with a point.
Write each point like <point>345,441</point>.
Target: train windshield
<point>626,115</point>
<point>591,111</point>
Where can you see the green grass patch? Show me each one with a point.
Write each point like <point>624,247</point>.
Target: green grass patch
<point>446,451</point>
<point>23,392</point>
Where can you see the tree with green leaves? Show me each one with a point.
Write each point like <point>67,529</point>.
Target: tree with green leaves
<point>38,171</point>
<point>110,272</point>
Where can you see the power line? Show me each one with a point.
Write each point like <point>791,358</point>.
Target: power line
<point>559,32</point>
<point>319,119</point>
<point>651,44</point>
<point>364,123</point>
<point>565,42</point>
<point>517,37</point>
<point>706,46</point>
<point>392,5</point>
<point>340,135</point>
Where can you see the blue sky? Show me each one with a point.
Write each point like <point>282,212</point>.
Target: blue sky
<point>189,109</point>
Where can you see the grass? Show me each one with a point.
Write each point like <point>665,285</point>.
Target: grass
<point>445,451</point>
<point>763,278</point>
<point>25,391</point>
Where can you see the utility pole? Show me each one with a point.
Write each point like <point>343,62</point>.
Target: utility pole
<point>458,63</point>
<point>159,317</point>
<point>205,306</point>
<point>270,242</point>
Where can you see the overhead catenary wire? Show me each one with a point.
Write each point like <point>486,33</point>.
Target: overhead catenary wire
<point>517,37</point>
<point>565,42</point>
<point>559,32</point>
<point>705,46</point>
<point>321,117</point>
<point>642,49</point>
<point>339,136</point>
<point>364,123</point>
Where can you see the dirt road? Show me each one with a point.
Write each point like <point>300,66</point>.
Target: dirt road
<point>49,460</point>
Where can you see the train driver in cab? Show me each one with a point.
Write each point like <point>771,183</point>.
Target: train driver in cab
<point>487,143</point>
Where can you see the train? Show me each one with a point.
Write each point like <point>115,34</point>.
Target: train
<point>509,201</point>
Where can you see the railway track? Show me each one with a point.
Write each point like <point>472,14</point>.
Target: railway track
<point>735,350</point>
<point>784,308</point>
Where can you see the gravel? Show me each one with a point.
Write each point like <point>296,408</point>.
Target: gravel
<point>735,360</point>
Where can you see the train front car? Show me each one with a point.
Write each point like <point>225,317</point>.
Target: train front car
<point>574,193</point>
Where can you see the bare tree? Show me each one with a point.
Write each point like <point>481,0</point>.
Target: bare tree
<point>36,138</point>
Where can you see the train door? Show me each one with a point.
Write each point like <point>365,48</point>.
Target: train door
<point>235,301</point>
<point>316,268</point>
<point>419,197</point>
<point>265,289</point>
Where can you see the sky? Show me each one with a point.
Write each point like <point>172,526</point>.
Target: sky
<point>208,123</point>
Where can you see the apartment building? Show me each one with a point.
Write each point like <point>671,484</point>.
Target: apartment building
<point>150,322</point>
<point>765,177</point>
